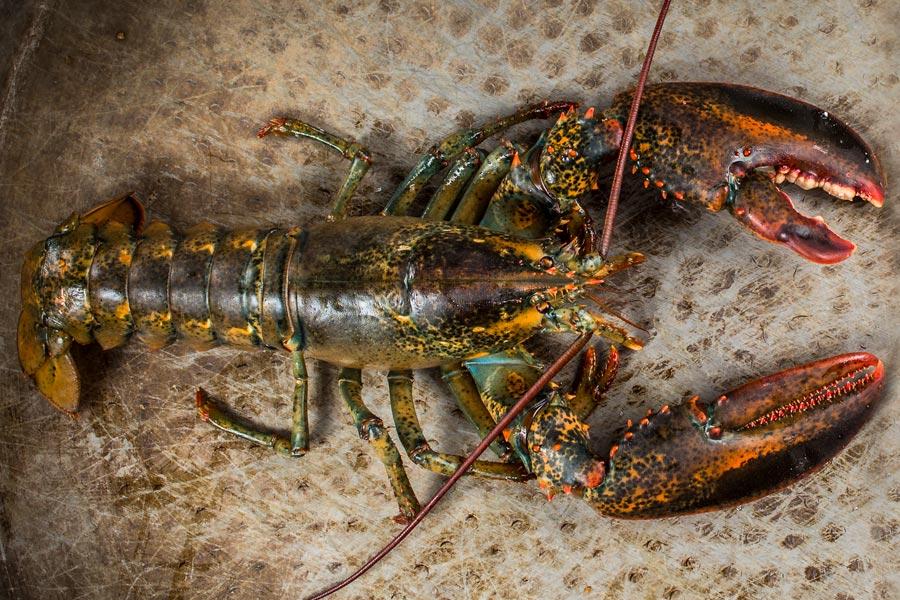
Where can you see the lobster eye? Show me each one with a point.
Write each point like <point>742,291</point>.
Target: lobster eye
<point>546,262</point>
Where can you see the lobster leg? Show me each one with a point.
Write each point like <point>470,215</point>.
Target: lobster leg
<point>299,414</point>
<point>451,147</point>
<point>360,157</point>
<point>468,398</point>
<point>212,414</point>
<point>479,186</point>
<point>298,443</point>
<point>371,428</point>
<point>458,176</point>
<point>483,186</point>
<point>418,448</point>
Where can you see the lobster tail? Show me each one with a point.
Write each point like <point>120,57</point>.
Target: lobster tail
<point>101,277</point>
<point>58,305</point>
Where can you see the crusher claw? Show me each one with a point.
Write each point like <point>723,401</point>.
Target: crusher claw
<point>732,146</point>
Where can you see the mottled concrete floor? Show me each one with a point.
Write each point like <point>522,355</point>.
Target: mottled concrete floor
<point>139,499</point>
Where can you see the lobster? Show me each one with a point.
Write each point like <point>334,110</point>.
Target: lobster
<point>716,453</point>
<point>399,293</point>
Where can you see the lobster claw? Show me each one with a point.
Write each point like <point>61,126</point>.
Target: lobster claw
<point>725,145</point>
<point>754,440</point>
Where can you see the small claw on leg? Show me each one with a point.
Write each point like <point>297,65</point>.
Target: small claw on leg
<point>401,519</point>
<point>560,455</point>
<point>272,126</point>
<point>201,401</point>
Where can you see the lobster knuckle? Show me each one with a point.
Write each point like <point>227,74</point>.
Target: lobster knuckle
<point>560,454</point>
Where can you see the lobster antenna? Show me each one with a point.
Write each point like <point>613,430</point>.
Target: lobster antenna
<point>570,353</point>
<point>613,204</point>
<point>609,310</point>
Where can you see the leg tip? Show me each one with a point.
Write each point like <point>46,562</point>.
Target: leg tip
<point>401,519</point>
<point>202,405</point>
<point>270,127</point>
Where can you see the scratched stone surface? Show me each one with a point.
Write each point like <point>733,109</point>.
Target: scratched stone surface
<point>138,499</point>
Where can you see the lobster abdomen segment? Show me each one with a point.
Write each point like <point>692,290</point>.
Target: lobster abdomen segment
<point>148,285</point>
<point>107,287</point>
<point>235,285</point>
<point>189,284</point>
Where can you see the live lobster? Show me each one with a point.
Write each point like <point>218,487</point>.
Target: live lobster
<point>102,278</point>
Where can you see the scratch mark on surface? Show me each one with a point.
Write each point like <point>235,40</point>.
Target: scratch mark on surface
<point>20,63</point>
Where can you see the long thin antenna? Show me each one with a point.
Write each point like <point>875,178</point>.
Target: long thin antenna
<point>611,311</point>
<point>517,408</point>
<point>616,188</point>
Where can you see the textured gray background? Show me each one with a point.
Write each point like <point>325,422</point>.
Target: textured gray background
<point>139,499</point>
